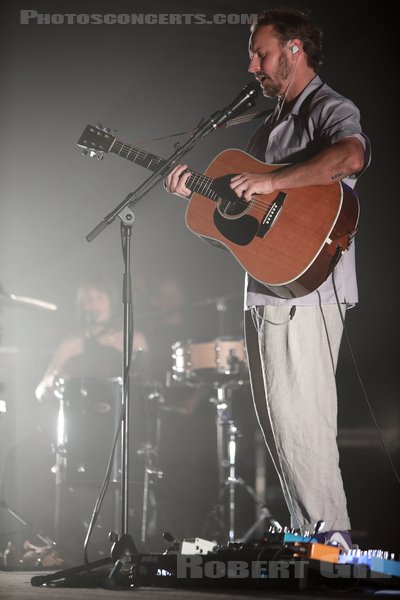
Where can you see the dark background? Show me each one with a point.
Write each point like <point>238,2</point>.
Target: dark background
<point>151,81</point>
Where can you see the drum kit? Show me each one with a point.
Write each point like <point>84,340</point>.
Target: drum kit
<point>216,361</point>
<point>88,417</point>
<point>90,405</point>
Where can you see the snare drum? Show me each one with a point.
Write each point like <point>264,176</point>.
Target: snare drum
<point>224,357</point>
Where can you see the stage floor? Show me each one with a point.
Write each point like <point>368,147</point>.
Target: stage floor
<point>16,585</point>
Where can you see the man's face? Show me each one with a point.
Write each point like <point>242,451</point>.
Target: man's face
<point>269,62</point>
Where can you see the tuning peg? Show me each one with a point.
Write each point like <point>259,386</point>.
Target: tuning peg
<point>100,155</point>
<point>99,126</point>
<point>92,153</point>
<point>84,152</point>
<point>106,129</point>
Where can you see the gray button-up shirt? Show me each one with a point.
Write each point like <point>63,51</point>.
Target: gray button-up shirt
<point>319,118</point>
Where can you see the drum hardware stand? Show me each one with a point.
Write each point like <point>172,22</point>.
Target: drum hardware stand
<point>3,504</point>
<point>227,435</point>
<point>149,451</point>
<point>43,538</point>
<point>221,307</point>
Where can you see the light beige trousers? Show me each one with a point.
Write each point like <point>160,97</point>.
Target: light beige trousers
<point>292,365</point>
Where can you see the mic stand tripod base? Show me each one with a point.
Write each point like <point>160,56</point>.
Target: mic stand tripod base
<point>126,550</point>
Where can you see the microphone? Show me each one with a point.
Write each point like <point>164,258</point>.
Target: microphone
<point>244,101</point>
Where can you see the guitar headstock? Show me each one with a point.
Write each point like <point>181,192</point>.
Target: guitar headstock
<point>96,141</point>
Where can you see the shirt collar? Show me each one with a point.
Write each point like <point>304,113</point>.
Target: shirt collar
<point>314,83</point>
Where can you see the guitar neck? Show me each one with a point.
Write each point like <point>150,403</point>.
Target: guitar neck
<point>197,182</point>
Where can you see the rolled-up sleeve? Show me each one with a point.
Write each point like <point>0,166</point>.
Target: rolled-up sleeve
<point>339,119</point>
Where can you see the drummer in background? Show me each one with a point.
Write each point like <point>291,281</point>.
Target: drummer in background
<point>94,349</point>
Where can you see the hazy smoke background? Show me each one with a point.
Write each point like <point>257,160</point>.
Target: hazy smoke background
<point>152,81</point>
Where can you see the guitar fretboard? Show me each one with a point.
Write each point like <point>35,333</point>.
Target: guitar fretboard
<point>197,182</point>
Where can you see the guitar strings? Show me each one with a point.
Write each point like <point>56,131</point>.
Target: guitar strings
<point>198,179</point>
<point>257,203</point>
<point>202,182</point>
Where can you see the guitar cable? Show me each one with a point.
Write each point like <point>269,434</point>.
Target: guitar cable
<point>257,318</point>
<point>364,391</point>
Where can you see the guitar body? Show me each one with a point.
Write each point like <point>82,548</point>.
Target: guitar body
<point>289,240</point>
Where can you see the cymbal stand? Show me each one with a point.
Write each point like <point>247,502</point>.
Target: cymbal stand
<point>227,436</point>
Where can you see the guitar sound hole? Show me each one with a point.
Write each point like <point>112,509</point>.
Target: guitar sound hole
<point>232,208</point>
<point>229,204</point>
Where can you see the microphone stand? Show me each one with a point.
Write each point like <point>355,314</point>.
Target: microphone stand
<point>124,548</point>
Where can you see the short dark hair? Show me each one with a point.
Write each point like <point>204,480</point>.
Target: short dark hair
<point>290,24</point>
<point>104,285</point>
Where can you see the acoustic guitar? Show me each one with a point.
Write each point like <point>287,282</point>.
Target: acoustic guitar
<point>290,240</point>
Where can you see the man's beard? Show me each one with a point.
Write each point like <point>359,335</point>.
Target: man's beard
<point>273,86</point>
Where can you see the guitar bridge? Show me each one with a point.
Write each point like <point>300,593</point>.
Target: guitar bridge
<point>271,215</point>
